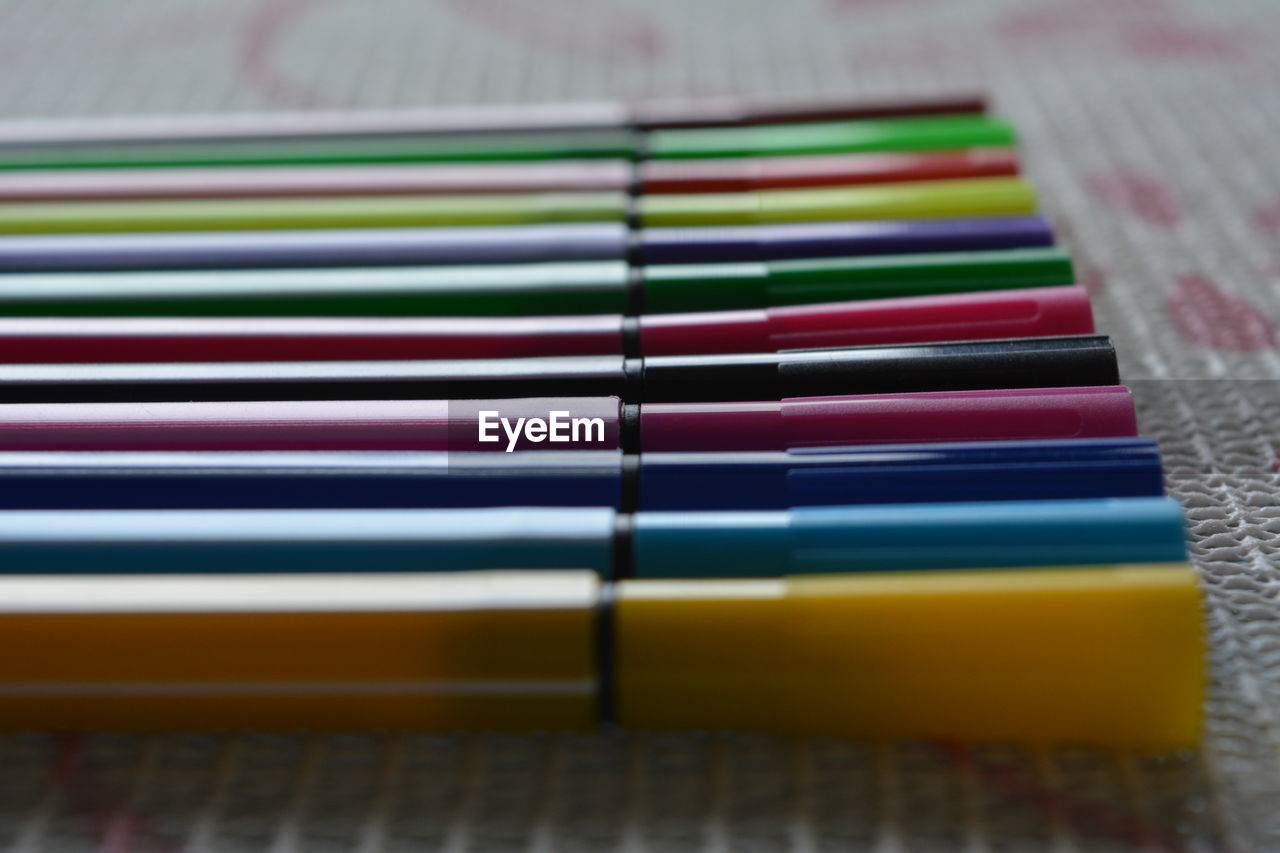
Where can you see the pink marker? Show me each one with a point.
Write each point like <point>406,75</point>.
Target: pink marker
<point>1027,413</point>
<point>987,315</point>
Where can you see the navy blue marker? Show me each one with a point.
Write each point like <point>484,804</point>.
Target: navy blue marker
<point>921,473</point>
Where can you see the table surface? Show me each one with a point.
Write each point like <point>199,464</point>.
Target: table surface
<point>1150,127</point>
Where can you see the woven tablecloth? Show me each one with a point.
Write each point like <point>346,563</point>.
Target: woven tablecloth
<point>1152,129</point>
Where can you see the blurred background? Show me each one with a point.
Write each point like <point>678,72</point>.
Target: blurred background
<point>1149,127</point>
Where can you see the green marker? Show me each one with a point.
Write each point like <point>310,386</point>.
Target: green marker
<point>525,289</point>
<point>967,197</point>
<point>924,133</point>
<point>59,217</point>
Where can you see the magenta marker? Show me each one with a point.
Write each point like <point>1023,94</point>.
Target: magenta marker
<point>1027,413</point>
<point>986,315</point>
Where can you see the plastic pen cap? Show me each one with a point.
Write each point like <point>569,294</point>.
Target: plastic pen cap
<point>740,174</point>
<point>1008,196</point>
<point>1015,413</point>
<point>1029,313</point>
<point>1110,655</point>
<point>801,240</point>
<point>944,366</point>
<point>839,539</point>
<point>713,287</point>
<point>883,474</point>
<point>891,134</point>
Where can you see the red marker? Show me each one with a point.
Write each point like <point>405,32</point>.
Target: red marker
<point>1034,312</point>
<point>400,179</point>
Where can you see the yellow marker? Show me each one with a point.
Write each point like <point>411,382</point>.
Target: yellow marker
<point>1107,655</point>
<point>953,199</point>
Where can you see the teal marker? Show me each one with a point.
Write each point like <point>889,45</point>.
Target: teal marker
<point>804,540</point>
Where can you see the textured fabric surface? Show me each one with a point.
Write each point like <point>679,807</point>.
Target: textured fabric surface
<point>1149,126</point>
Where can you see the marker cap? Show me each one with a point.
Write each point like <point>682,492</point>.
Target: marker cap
<point>890,537</point>
<point>742,174</point>
<point>929,133</point>
<point>803,240</point>
<point>1110,655</point>
<point>1007,196</point>
<point>1036,312</point>
<point>905,473</point>
<point>946,366</point>
<point>712,287</point>
<point>993,415</point>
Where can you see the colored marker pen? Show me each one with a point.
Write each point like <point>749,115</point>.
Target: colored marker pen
<point>908,473</point>
<point>1035,312</point>
<point>499,119</point>
<point>725,543</point>
<point>868,656</point>
<point>500,244</point>
<point>1002,196</point>
<point>397,179</point>
<point>909,133</point>
<point>580,287</point>
<point>440,425</point>
<point>947,366</point>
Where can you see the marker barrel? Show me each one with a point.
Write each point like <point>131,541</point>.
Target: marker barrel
<point>588,241</point>
<point>915,473</point>
<point>972,316</point>
<point>558,176</point>
<point>438,425</point>
<point>261,214</point>
<point>945,366</point>
<point>732,543</point>
<point>871,656</point>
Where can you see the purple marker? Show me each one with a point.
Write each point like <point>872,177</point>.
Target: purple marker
<point>508,244</point>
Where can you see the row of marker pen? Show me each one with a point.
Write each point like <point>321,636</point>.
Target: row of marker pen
<point>718,415</point>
